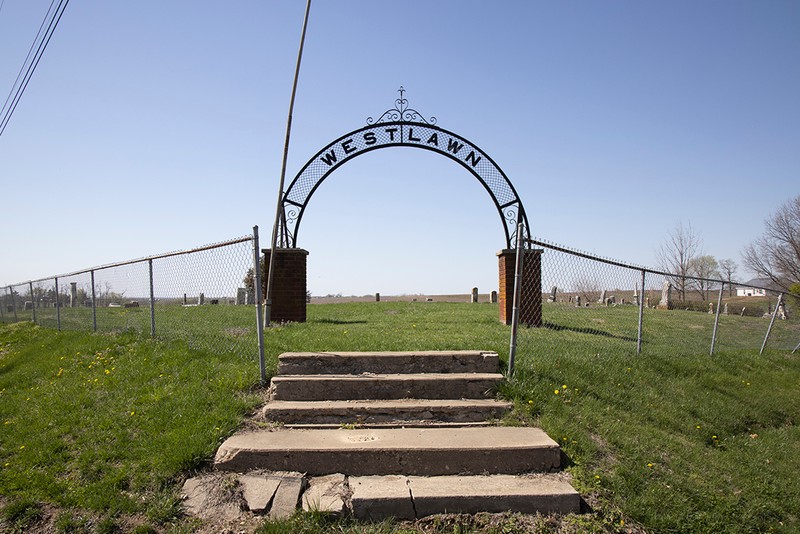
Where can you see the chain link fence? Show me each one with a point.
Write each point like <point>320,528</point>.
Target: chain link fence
<point>197,295</point>
<point>587,305</point>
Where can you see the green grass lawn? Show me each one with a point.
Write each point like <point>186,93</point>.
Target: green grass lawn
<point>102,429</point>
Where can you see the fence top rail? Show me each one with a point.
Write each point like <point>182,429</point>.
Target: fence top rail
<point>212,246</point>
<point>640,268</point>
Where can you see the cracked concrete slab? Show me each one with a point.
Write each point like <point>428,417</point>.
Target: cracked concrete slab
<point>286,498</point>
<point>327,494</point>
<point>259,491</point>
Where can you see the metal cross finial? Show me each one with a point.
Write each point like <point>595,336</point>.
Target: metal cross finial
<point>401,112</point>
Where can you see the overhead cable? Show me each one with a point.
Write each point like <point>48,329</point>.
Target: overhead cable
<point>49,24</point>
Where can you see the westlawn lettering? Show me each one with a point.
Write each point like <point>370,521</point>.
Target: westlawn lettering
<point>402,136</point>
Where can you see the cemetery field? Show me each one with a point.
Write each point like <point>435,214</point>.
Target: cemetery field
<point>100,430</point>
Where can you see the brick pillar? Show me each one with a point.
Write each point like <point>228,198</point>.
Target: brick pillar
<point>530,310</point>
<point>289,287</point>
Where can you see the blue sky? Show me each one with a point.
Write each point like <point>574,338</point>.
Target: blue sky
<point>155,126</point>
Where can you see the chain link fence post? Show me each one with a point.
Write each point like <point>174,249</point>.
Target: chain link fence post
<point>519,265</point>
<point>152,300</point>
<point>3,308</point>
<point>641,318</point>
<point>33,302</point>
<point>716,319</point>
<point>94,304</point>
<point>259,319</point>
<point>58,305</point>
<point>13,303</point>
<point>771,322</point>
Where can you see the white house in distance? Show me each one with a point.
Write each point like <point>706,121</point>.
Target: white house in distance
<point>747,291</point>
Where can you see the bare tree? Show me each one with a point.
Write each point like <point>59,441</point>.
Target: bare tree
<point>727,268</point>
<point>776,254</point>
<point>703,267</point>
<point>587,288</point>
<point>676,253</point>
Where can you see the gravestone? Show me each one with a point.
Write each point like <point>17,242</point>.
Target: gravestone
<point>201,299</point>
<point>377,297</point>
<point>185,301</point>
<point>666,296</point>
<point>578,301</point>
<point>725,311</point>
<point>711,308</point>
<point>602,299</point>
<point>73,294</point>
<point>28,305</point>
<point>474,297</point>
<point>494,297</point>
<point>552,297</point>
<point>743,309</point>
<point>782,311</point>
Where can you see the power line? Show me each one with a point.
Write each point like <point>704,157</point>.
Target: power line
<point>28,57</point>
<point>51,20</point>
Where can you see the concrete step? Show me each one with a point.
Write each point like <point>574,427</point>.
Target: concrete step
<point>385,411</point>
<point>454,361</point>
<point>384,386</point>
<point>405,451</point>
<point>414,497</point>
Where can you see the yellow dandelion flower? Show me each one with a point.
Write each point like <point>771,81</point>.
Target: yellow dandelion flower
<point>107,372</point>
<point>649,465</point>
<point>557,391</point>
<point>22,447</point>
<point>133,413</point>
<point>530,402</point>
<point>564,386</point>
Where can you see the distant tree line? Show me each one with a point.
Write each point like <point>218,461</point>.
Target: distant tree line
<point>775,256</point>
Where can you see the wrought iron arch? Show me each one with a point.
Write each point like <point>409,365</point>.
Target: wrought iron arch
<point>401,126</point>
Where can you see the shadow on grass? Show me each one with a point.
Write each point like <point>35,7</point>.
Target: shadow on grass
<point>336,321</point>
<point>592,331</point>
